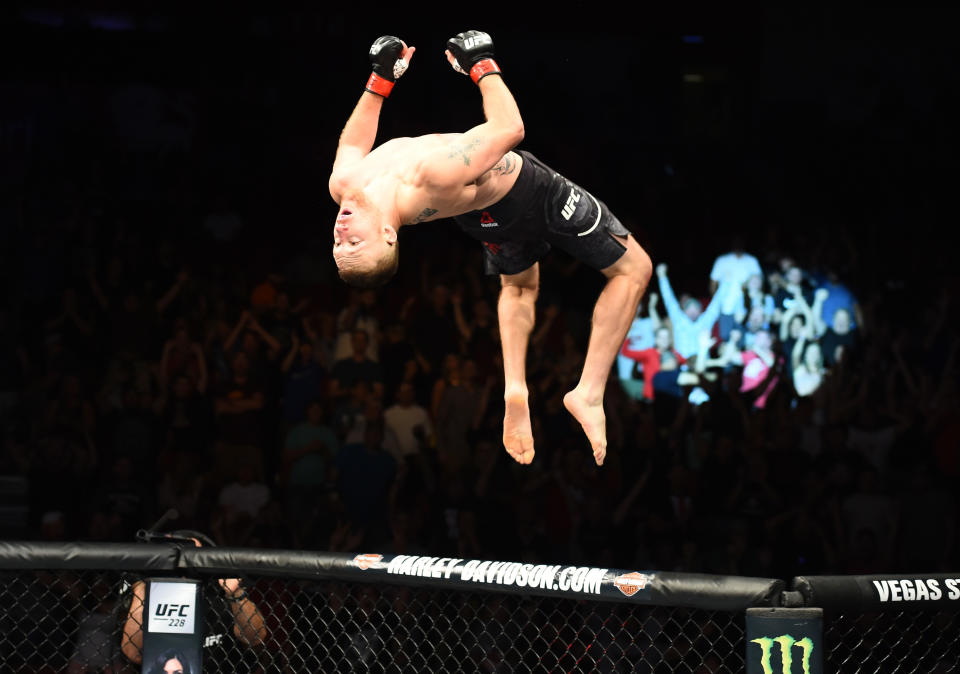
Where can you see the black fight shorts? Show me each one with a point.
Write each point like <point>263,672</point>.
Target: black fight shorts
<point>571,219</point>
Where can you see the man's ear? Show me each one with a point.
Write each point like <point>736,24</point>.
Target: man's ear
<point>389,234</point>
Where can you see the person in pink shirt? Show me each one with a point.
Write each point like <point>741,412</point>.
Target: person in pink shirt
<point>757,364</point>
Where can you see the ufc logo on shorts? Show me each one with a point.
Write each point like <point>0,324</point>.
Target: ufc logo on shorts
<point>786,643</point>
<point>475,41</point>
<point>571,205</point>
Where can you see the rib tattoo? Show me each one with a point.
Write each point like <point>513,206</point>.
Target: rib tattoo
<point>505,166</point>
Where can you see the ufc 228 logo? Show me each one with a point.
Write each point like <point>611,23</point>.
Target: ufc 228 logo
<point>786,645</point>
<point>172,607</point>
<point>175,615</point>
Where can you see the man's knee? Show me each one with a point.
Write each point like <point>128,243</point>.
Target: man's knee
<point>511,294</point>
<point>643,266</point>
<point>634,264</point>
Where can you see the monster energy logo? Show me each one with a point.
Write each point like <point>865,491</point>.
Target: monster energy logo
<point>786,643</point>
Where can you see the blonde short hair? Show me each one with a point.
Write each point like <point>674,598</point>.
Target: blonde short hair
<point>383,269</point>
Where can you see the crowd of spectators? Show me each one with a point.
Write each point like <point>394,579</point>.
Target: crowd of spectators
<point>770,418</point>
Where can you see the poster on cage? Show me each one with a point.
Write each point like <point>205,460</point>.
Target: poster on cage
<point>172,628</point>
<point>784,641</point>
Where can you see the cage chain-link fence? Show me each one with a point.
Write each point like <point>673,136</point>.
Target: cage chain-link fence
<point>926,642</point>
<point>75,622</point>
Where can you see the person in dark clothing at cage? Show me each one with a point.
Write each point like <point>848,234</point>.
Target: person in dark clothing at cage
<point>235,630</point>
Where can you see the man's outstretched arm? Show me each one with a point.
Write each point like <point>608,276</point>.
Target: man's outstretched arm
<point>480,148</point>
<point>390,57</point>
<point>357,137</point>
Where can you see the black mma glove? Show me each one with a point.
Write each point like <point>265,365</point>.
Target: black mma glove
<point>388,64</point>
<point>473,54</point>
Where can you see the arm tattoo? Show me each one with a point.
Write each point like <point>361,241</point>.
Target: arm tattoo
<point>505,166</point>
<point>424,214</point>
<point>463,151</point>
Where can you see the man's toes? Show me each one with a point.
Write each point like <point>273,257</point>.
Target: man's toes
<point>521,450</point>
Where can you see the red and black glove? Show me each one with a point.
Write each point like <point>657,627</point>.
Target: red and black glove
<point>386,55</point>
<point>473,54</point>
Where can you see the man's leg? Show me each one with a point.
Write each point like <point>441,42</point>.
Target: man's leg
<point>516,311</point>
<point>613,313</point>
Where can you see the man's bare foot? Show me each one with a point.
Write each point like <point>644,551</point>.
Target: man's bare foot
<point>517,433</point>
<point>592,419</point>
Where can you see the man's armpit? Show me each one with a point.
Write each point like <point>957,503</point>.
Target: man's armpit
<point>424,215</point>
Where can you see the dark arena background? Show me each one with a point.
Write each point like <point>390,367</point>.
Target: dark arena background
<point>177,351</point>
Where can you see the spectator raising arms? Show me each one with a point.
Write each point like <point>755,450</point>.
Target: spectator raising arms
<point>691,319</point>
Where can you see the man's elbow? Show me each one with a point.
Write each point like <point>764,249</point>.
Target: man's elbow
<point>515,133</point>
<point>508,134</point>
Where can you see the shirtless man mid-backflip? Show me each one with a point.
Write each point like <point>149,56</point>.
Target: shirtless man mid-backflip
<point>509,200</point>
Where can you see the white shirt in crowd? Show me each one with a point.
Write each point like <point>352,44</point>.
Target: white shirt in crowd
<point>737,268</point>
<point>402,420</point>
<point>806,382</point>
<point>342,347</point>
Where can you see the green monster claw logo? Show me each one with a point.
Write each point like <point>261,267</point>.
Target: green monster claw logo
<point>787,643</point>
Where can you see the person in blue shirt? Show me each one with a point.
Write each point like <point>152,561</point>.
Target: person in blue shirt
<point>839,297</point>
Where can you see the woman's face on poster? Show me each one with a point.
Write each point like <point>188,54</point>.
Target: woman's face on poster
<point>173,666</point>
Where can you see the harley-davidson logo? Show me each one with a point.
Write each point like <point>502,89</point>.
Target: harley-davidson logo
<point>366,561</point>
<point>631,583</point>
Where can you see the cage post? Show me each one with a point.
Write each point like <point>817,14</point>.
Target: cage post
<point>784,640</point>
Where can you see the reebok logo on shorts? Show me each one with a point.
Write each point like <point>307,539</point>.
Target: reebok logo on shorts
<point>486,220</point>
